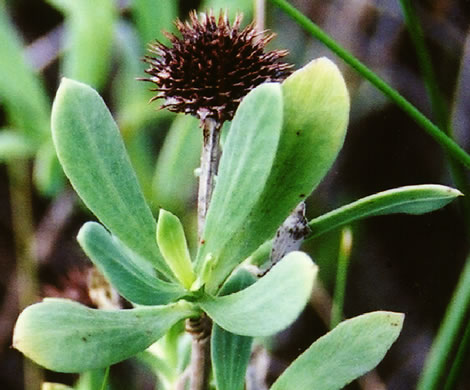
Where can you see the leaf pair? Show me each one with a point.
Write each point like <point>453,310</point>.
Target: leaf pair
<point>66,336</point>
<point>282,141</point>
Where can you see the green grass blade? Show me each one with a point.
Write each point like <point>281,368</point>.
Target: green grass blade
<point>459,361</point>
<point>448,335</point>
<point>446,142</point>
<point>416,33</point>
<point>94,159</point>
<point>417,199</point>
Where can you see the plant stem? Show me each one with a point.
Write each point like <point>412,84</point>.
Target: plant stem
<point>26,265</point>
<point>445,141</point>
<point>260,12</point>
<point>447,337</point>
<point>200,327</point>
<point>210,157</point>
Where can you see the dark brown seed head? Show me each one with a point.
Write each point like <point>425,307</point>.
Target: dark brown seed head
<point>208,69</point>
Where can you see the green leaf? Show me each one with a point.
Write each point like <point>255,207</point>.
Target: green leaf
<point>89,34</point>
<point>417,199</point>
<point>152,17</point>
<point>55,386</point>
<point>66,336</point>
<point>174,183</point>
<point>131,280</point>
<point>94,159</point>
<point>130,97</point>
<point>21,90</point>
<point>350,350</point>
<point>316,110</point>
<point>269,305</point>
<point>245,165</point>
<point>230,353</point>
<point>92,380</point>
<point>241,6</point>
<point>172,243</point>
<point>48,175</point>
<point>14,144</point>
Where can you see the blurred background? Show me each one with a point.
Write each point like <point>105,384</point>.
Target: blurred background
<point>409,264</point>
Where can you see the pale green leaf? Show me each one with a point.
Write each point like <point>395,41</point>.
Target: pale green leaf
<point>269,305</point>
<point>66,336</point>
<point>350,350</point>
<point>245,165</point>
<point>92,380</point>
<point>55,386</point>
<point>240,6</point>
<point>174,183</point>
<point>172,243</point>
<point>315,112</point>
<point>130,97</point>
<point>88,39</point>
<point>230,353</point>
<point>153,17</point>
<point>417,199</point>
<point>48,175</point>
<point>94,159</point>
<point>14,144</point>
<point>131,280</point>
<point>21,91</point>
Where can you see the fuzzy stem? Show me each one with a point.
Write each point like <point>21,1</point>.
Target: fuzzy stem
<point>26,265</point>
<point>200,327</point>
<point>209,163</point>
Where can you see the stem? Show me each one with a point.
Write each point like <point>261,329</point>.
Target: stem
<point>200,327</point>
<point>26,265</point>
<point>447,337</point>
<point>260,12</point>
<point>290,235</point>
<point>445,141</point>
<point>210,157</point>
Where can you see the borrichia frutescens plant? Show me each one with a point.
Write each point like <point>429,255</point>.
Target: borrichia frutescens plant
<point>283,138</point>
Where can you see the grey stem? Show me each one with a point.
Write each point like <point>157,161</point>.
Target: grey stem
<point>200,327</point>
<point>291,234</point>
<point>210,157</point>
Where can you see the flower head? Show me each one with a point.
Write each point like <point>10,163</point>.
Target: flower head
<point>209,69</point>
